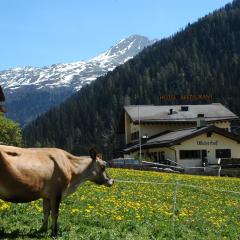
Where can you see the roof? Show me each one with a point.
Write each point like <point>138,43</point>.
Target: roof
<point>151,113</point>
<point>171,138</point>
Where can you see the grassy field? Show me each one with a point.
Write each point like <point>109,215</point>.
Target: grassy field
<point>137,210</point>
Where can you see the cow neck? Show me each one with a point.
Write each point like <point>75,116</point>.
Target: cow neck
<point>81,167</point>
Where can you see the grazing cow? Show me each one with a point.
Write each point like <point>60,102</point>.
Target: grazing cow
<point>27,174</point>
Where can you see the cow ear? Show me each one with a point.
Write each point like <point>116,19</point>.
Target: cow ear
<point>93,153</point>
<point>99,155</point>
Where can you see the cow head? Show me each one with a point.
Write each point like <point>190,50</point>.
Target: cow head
<point>99,174</point>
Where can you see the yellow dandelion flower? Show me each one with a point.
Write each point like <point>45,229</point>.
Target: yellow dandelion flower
<point>74,210</point>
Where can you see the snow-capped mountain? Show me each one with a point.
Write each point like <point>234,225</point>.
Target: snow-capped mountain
<point>31,91</point>
<point>76,74</point>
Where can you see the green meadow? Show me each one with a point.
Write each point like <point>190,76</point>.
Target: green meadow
<point>142,207</point>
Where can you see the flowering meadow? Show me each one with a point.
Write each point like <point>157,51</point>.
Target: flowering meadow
<point>140,205</point>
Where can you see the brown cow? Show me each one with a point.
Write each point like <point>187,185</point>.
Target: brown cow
<point>27,174</point>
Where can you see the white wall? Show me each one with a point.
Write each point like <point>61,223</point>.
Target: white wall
<point>222,143</point>
<point>192,144</point>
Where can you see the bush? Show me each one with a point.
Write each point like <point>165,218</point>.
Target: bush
<point>10,132</point>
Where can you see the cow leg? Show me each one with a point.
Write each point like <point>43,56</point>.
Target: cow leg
<point>46,212</point>
<point>55,203</point>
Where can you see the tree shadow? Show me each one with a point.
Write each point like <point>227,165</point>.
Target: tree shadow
<point>18,234</point>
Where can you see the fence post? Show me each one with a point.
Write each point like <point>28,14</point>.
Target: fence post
<point>219,167</point>
<point>174,208</point>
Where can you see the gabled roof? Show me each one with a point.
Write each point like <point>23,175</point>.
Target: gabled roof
<point>171,138</point>
<point>151,113</point>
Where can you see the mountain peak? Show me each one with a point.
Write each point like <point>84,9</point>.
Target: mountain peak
<point>137,36</point>
<point>124,50</point>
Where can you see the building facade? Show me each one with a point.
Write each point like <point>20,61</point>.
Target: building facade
<point>186,135</point>
<point>156,119</point>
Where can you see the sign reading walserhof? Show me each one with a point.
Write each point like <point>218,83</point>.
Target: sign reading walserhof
<point>207,143</point>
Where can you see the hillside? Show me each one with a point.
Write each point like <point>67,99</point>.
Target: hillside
<point>31,91</point>
<point>140,207</point>
<point>204,58</point>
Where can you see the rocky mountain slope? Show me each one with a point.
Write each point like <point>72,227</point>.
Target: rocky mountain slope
<point>31,91</point>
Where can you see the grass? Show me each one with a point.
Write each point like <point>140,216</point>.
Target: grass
<point>136,211</point>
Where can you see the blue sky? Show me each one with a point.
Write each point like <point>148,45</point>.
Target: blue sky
<point>44,32</point>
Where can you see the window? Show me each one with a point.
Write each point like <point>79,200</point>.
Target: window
<point>223,153</point>
<point>190,154</point>
<point>135,136</point>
